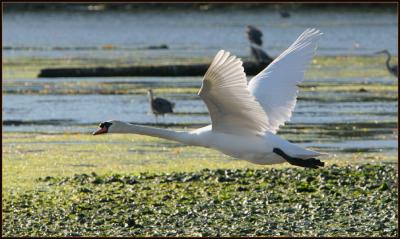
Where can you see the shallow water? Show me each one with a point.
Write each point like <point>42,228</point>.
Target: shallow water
<point>135,108</point>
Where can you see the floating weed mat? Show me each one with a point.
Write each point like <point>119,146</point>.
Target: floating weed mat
<point>333,201</point>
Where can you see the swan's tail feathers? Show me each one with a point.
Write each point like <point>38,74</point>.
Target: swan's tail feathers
<point>307,163</point>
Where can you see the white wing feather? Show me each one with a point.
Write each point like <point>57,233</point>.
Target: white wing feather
<point>275,87</point>
<point>231,106</point>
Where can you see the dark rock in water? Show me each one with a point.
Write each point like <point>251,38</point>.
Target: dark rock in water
<point>284,14</point>
<point>162,46</point>
<point>362,90</point>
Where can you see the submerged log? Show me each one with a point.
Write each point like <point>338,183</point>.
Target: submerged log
<point>251,68</point>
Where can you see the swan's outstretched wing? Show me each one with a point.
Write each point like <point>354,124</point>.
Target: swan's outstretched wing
<point>275,87</point>
<point>231,106</point>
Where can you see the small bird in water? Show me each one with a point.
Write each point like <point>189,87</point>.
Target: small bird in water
<point>392,69</point>
<point>160,106</point>
<point>254,35</point>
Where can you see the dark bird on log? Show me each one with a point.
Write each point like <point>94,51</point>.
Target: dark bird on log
<point>255,37</point>
<point>254,34</point>
<point>392,69</point>
<point>159,106</point>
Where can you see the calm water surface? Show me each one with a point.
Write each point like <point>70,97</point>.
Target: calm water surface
<point>196,33</point>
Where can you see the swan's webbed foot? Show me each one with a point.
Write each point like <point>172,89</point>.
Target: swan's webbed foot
<point>307,163</point>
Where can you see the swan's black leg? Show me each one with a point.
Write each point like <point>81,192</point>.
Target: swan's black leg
<point>307,163</point>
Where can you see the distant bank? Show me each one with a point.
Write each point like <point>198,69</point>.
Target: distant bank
<point>196,6</point>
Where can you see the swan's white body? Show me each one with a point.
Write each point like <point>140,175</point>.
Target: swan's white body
<point>256,149</point>
<point>245,116</point>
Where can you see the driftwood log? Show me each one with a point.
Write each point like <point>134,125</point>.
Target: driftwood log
<point>251,68</point>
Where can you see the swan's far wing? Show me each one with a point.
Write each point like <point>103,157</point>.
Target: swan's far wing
<point>275,87</point>
<point>231,106</point>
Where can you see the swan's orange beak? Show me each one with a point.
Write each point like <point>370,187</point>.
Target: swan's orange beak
<point>100,131</point>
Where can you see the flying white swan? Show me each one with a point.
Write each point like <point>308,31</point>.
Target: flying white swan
<point>245,116</point>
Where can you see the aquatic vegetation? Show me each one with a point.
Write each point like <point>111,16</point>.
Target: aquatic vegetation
<point>333,201</point>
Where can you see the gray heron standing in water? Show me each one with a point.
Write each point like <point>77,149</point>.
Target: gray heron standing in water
<point>159,106</point>
<point>254,35</point>
<point>392,69</point>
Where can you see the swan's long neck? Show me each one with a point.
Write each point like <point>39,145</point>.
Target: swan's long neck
<point>180,136</point>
